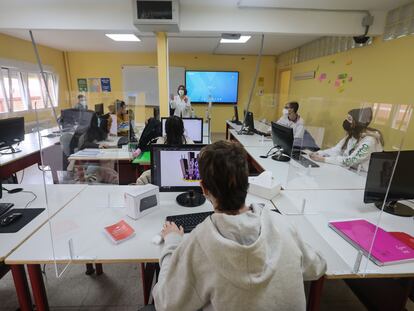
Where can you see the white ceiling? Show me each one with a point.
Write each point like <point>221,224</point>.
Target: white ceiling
<point>96,41</point>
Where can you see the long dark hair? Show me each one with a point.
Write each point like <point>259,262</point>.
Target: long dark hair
<point>94,131</point>
<point>174,128</point>
<point>357,133</point>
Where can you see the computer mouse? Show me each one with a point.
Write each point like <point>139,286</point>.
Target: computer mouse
<point>9,219</point>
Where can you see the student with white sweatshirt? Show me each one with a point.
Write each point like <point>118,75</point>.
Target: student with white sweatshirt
<point>241,257</point>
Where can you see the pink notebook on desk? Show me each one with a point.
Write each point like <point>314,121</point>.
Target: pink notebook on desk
<point>386,250</point>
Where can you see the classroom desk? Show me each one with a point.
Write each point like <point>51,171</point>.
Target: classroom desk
<point>324,206</point>
<point>58,197</point>
<point>83,220</point>
<point>29,154</point>
<point>294,176</point>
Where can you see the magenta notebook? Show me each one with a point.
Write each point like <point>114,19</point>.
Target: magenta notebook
<point>386,250</point>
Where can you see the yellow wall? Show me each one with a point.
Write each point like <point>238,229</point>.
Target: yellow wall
<point>21,50</point>
<point>84,65</point>
<point>381,73</point>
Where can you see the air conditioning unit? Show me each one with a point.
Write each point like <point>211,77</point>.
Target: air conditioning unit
<point>156,16</point>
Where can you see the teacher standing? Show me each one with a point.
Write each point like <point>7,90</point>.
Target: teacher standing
<point>181,103</point>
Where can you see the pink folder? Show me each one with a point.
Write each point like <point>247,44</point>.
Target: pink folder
<point>386,250</point>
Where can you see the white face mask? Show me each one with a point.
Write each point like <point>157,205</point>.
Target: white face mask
<point>181,92</point>
<point>83,102</point>
<point>285,111</point>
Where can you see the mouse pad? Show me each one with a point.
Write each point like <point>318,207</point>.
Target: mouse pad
<point>28,215</point>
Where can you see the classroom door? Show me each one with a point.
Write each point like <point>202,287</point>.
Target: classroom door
<point>284,84</point>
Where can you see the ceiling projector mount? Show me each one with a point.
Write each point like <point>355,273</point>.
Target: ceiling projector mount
<point>367,21</point>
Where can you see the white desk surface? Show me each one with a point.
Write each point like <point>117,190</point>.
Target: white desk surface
<point>58,197</point>
<point>252,140</point>
<point>115,154</point>
<point>83,221</point>
<point>294,176</point>
<point>30,145</point>
<point>324,206</point>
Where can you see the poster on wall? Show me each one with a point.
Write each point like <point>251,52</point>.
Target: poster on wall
<point>94,85</point>
<point>106,84</point>
<point>82,85</point>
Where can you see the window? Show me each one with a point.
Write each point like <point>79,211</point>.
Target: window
<point>382,113</point>
<point>35,92</point>
<point>400,22</point>
<point>23,91</point>
<point>402,117</point>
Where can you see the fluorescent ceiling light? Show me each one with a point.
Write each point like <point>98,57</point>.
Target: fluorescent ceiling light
<point>122,37</point>
<point>242,39</point>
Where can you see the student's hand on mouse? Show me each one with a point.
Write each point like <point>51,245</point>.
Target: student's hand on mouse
<point>103,146</point>
<point>170,227</point>
<point>317,157</point>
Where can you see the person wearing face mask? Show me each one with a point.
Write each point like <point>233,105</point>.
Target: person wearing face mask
<point>81,104</point>
<point>181,103</point>
<point>354,150</point>
<point>237,258</point>
<point>292,119</point>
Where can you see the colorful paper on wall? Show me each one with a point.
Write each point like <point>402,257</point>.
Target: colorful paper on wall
<point>82,85</point>
<point>350,79</point>
<point>337,83</point>
<point>106,84</point>
<point>342,76</point>
<point>349,62</point>
<point>322,77</point>
<point>94,85</point>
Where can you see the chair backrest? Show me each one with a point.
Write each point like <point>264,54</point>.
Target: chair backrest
<point>65,143</point>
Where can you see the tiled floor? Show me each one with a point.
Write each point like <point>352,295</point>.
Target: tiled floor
<point>120,289</point>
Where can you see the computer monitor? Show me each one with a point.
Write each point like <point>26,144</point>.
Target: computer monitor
<point>71,118</point>
<point>99,109</point>
<point>282,137</point>
<point>193,128</point>
<point>380,170</point>
<point>11,132</point>
<point>176,169</point>
<point>236,114</point>
<point>248,120</point>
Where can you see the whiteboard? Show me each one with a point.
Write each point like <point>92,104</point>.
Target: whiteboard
<point>142,82</point>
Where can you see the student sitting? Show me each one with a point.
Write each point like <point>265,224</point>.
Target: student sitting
<point>174,130</point>
<point>95,133</point>
<point>122,118</point>
<point>292,119</point>
<point>356,147</point>
<point>240,258</point>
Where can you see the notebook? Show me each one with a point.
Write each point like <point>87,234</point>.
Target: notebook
<point>120,232</point>
<point>386,250</point>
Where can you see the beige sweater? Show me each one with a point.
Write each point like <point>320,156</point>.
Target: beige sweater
<point>252,261</point>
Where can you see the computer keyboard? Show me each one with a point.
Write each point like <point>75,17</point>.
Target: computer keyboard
<point>302,160</point>
<point>4,207</point>
<point>188,221</point>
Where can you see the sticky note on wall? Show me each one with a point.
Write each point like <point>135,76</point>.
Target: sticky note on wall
<point>342,76</point>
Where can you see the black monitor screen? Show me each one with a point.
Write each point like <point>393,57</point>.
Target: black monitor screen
<point>249,119</point>
<point>193,128</point>
<point>282,136</point>
<point>380,170</point>
<point>11,131</point>
<point>175,168</point>
<point>71,118</point>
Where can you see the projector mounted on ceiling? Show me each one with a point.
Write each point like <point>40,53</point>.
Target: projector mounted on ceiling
<point>156,16</point>
<point>367,21</point>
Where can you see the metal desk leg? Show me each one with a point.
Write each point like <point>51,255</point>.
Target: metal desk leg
<point>38,287</point>
<point>98,268</point>
<point>22,288</point>
<point>147,271</point>
<point>315,294</point>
